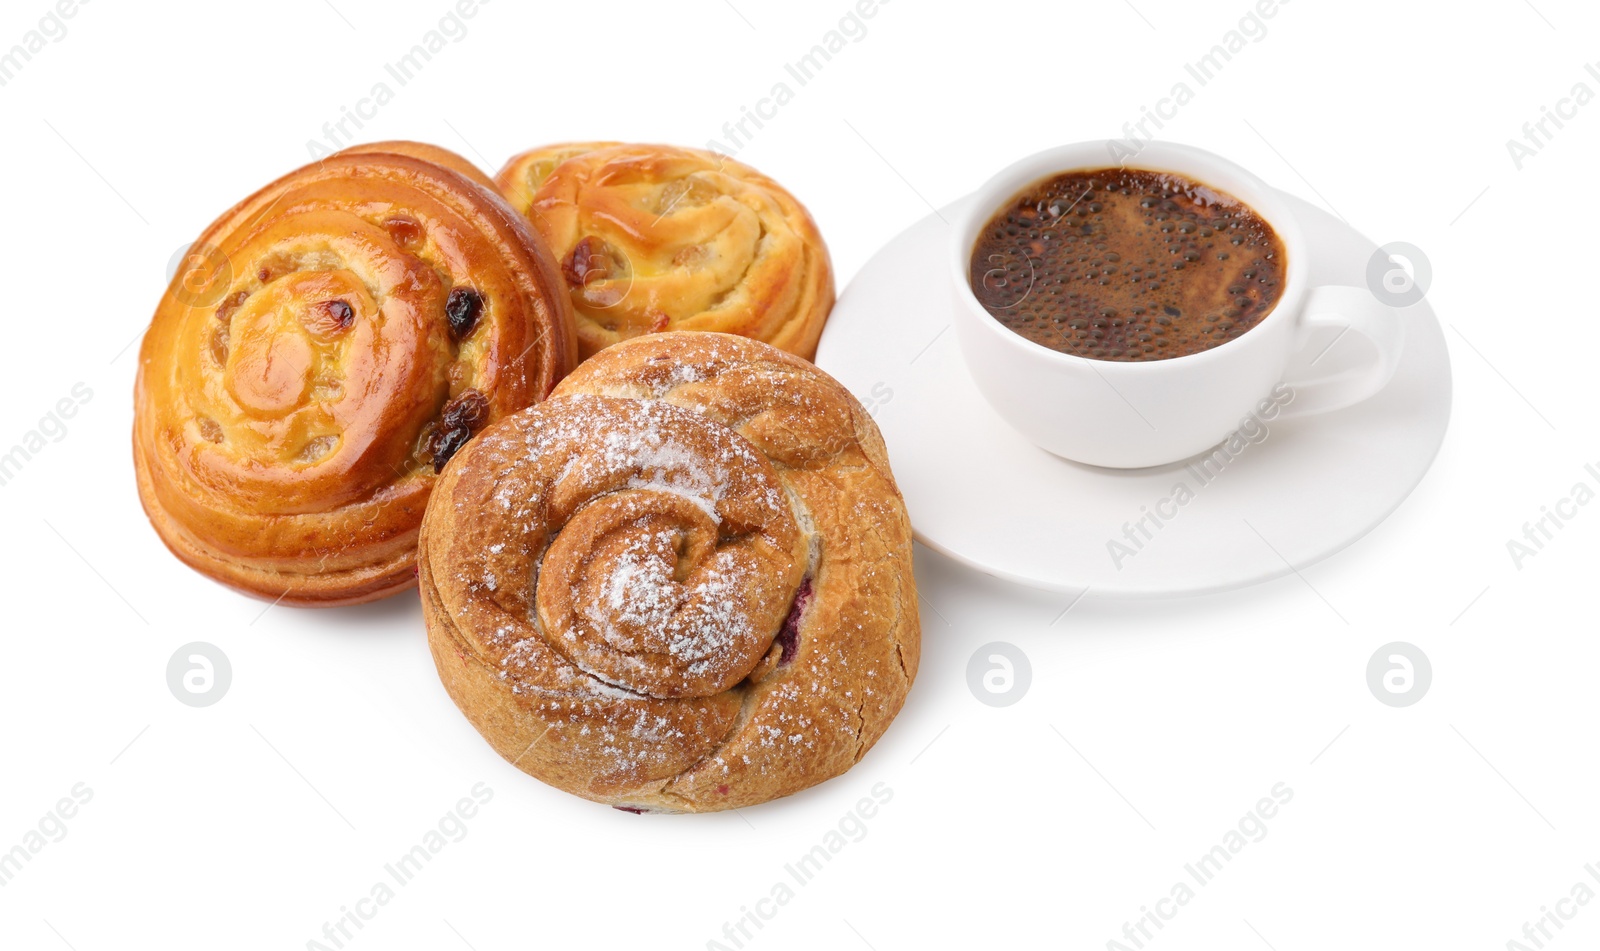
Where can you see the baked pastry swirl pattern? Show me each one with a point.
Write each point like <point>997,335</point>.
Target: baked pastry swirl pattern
<point>337,337</point>
<point>653,237</point>
<point>681,584</point>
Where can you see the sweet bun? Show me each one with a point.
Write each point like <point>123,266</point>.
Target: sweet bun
<point>334,339</point>
<point>655,237</point>
<point>681,584</point>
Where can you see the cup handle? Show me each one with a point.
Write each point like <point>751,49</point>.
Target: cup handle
<point>1348,310</point>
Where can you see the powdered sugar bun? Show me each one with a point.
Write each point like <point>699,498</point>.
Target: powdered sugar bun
<point>682,584</point>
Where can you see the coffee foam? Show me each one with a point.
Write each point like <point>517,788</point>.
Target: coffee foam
<point>1118,264</point>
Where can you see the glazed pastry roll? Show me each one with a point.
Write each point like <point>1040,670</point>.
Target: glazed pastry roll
<point>681,584</point>
<point>333,341</point>
<point>653,237</point>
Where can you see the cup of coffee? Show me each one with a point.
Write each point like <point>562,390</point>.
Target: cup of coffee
<point>1133,315</point>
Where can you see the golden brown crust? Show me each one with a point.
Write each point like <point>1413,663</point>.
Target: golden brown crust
<point>522,176</point>
<point>428,153</point>
<point>301,376</point>
<point>681,584</point>
<point>655,237</point>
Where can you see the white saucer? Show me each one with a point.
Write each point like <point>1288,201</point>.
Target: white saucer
<point>985,496</point>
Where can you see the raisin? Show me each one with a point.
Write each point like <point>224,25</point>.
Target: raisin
<point>230,304</point>
<point>330,317</point>
<point>219,345</point>
<point>470,409</point>
<point>444,444</point>
<point>463,309</point>
<point>460,419</point>
<point>589,261</point>
<point>404,229</point>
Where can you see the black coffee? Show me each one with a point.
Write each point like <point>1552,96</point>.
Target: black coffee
<point>1116,264</point>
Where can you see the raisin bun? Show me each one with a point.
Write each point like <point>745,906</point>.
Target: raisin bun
<point>330,343</point>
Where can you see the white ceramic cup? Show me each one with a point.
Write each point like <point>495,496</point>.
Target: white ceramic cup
<point>1147,413</point>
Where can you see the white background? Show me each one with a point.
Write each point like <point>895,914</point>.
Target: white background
<point>1149,728</point>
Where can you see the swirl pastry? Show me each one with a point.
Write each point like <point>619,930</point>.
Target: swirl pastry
<point>681,584</point>
<point>652,237</point>
<point>335,339</point>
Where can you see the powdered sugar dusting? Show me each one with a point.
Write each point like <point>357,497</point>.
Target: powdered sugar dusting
<point>619,585</point>
<point>696,624</point>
